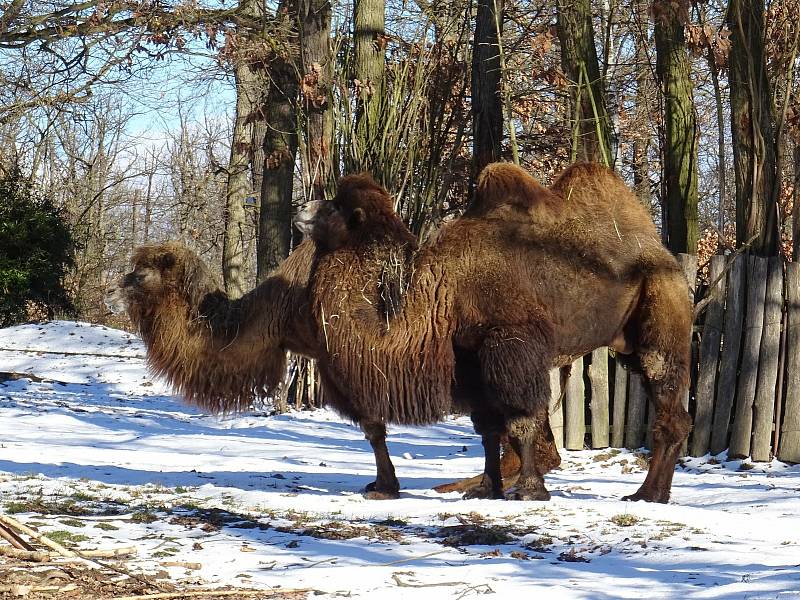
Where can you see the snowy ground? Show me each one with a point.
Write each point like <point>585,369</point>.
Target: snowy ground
<point>98,450</point>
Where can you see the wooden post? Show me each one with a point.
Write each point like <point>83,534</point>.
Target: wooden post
<point>729,361</point>
<point>574,409</point>
<point>598,375</point>
<point>556,408</point>
<point>620,396</point>
<point>789,449</point>
<point>688,264</point>
<point>709,357</point>
<point>764,405</point>
<point>637,397</point>
<point>748,376</point>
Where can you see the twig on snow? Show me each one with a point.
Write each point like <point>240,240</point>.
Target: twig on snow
<point>216,594</point>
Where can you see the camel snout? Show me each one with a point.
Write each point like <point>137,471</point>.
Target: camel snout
<point>304,220</point>
<point>114,300</point>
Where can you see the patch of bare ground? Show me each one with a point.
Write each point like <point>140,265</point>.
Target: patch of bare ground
<point>53,581</point>
<point>36,566</point>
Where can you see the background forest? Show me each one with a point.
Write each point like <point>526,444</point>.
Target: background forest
<point>127,122</point>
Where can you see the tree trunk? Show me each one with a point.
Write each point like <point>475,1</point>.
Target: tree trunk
<point>752,130</point>
<point>644,91</point>
<point>239,184</point>
<point>368,72</point>
<point>315,29</point>
<point>680,151</point>
<point>487,102</point>
<point>796,205</point>
<point>591,128</point>
<point>280,148</point>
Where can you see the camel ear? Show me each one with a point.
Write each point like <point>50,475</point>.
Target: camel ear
<point>165,260</point>
<point>358,217</point>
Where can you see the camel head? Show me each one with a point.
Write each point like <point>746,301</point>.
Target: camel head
<point>161,274</point>
<point>361,213</point>
<point>216,353</point>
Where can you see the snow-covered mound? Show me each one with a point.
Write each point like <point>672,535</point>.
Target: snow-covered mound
<point>92,446</point>
<point>76,352</point>
<point>71,337</point>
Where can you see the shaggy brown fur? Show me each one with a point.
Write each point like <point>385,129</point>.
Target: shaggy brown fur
<point>528,279</point>
<point>221,355</point>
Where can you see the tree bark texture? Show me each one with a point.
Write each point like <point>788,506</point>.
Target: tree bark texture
<point>796,205</point>
<point>752,130</point>
<point>315,30</point>
<point>249,99</point>
<point>644,96</point>
<point>591,127</point>
<point>487,101</point>
<point>368,74</point>
<point>680,144</point>
<point>280,148</point>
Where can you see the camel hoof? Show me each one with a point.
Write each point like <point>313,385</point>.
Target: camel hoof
<point>373,492</point>
<point>535,492</point>
<point>647,496</point>
<point>482,492</point>
<point>378,495</point>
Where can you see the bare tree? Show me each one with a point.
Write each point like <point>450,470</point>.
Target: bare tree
<point>752,117</point>
<point>250,83</point>
<point>315,87</point>
<point>280,149</point>
<point>680,143</point>
<point>487,102</point>
<point>591,126</point>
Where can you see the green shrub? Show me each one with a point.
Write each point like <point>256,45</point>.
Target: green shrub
<point>35,252</point>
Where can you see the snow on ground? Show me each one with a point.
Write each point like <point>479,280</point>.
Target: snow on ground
<point>99,449</point>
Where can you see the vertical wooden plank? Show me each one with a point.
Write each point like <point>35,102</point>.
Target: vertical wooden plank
<point>637,398</point>
<point>556,408</point>
<point>598,376</point>
<point>731,349</point>
<point>764,405</point>
<point>620,403</point>
<point>709,358</point>
<point>574,409</point>
<point>748,376</point>
<point>688,263</point>
<point>789,449</point>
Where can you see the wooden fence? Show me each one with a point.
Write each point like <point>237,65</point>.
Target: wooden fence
<point>745,393</point>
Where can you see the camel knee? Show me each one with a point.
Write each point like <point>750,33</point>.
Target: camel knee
<point>671,426</point>
<point>374,431</point>
<point>665,371</point>
<point>526,428</point>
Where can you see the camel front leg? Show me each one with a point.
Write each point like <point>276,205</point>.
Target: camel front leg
<point>670,428</point>
<point>386,486</point>
<point>663,347</point>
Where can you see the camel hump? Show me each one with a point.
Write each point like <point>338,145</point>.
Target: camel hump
<point>504,184</point>
<point>587,175</point>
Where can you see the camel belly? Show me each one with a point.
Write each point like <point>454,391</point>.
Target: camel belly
<point>597,319</point>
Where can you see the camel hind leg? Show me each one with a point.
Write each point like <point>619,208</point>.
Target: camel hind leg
<point>662,326</point>
<point>515,364</point>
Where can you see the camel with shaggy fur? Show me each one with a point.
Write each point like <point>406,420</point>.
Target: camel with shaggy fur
<point>222,355</point>
<point>528,279</point>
